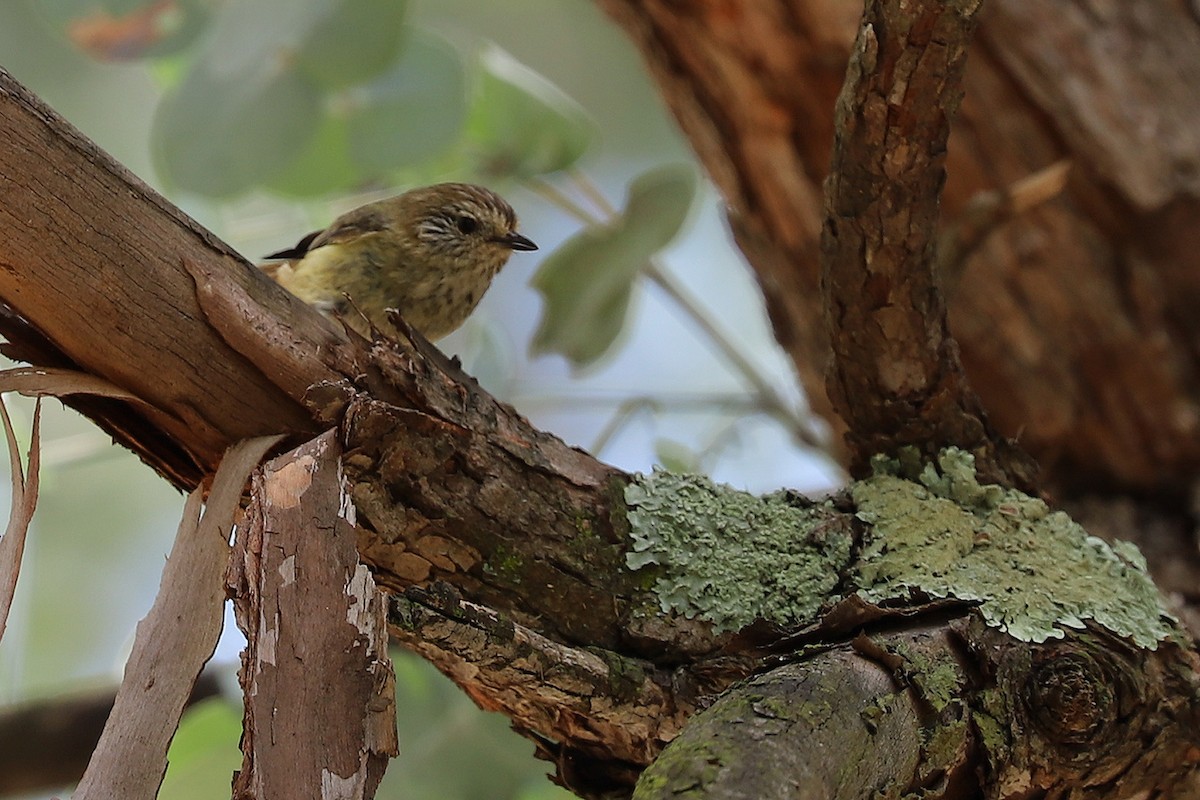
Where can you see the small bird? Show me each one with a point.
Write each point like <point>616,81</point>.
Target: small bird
<point>430,253</point>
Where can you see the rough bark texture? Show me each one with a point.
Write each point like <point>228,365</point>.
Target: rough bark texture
<point>320,699</point>
<point>940,712</point>
<point>895,378</point>
<point>789,714</point>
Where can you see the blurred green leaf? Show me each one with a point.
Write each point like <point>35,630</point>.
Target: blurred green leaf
<point>675,456</point>
<point>541,788</point>
<point>587,283</point>
<point>523,124</point>
<point>253,108</point>
<point>353,41</point>
<point>221,133</point>
<point>204,752</point>
<point>411,113</point>
<point>659,202</point>
<point>251,104</point>
<point>252,36</point>
<point>324,167</point>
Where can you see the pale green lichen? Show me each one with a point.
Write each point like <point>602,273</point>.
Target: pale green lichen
<point>731,557</point>
<point>1035,572</point>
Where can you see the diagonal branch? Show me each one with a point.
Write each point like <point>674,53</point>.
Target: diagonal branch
<point>92,262</point>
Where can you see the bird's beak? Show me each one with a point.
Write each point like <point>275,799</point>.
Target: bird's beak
<point>515,241</point>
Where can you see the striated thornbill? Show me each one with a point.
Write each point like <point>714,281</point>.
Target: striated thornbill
<point>430,253</point>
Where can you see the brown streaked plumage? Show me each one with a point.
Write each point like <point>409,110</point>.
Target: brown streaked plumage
<point>430,253</point>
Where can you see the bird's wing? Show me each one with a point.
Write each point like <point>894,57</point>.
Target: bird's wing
<point>347,227</point>
<point>351,225</point>
<point>296,252</point>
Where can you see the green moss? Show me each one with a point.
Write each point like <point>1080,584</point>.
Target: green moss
<point>699,761</point>
<point>626,676</point>
<point>1034,572</point>
<point>730,557</point>
<point>506,563</point>
<point>874,713</point>
<point>583,525</point>
<point>944,742</point>
<point>986,719</point>
<point>937,680</point>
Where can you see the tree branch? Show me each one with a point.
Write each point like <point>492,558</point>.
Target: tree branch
<point>46,744</point>
<point>450,484</point>
<point>320,697</point>
<point>896,378</point>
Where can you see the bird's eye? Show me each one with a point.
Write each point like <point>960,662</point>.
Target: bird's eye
<point>466,223</point>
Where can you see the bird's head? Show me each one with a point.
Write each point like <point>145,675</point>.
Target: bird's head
<point>463,225</point>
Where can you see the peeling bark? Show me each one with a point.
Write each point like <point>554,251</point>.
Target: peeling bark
<point>320,700</point>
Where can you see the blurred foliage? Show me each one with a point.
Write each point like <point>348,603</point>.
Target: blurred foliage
<point>350,88</point>
<point>588,282</point>
<point>204,752</point>
<point>521,124</point>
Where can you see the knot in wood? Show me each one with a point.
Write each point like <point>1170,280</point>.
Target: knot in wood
<point>1070,697</point>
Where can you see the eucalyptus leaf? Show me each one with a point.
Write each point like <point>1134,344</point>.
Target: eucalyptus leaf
<point>354,41</point>
<point>587,283</point>
<point>249,37</point>
<point>659,202</point>
<point>411,113</point>
<point>244,111</point>
<point>323,167</point>
<point>522,124</point>
<point>219,134</point>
